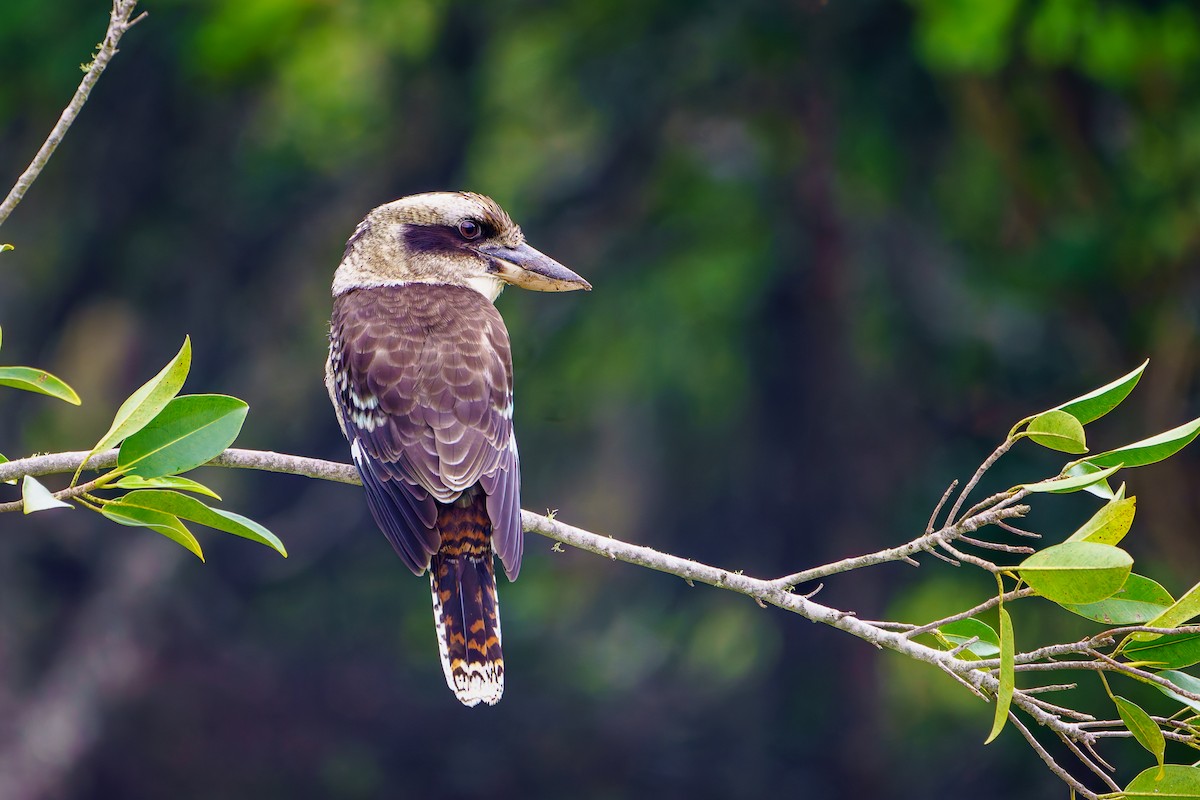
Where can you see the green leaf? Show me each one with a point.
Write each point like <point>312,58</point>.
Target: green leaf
<point>37,497</point>
<point>191,430</point>
<point>1184,681</point>
<point>1108,525</point>
<point>37,380</point>
<point>1136,603</point>
<point>189,508</point>
<point>1097,403</point>
<point>1170,782</point>
<point>1148,451</point>
<point>1070,483</point>
<point>4,247</point>
<point>1169,651</point>
<point>1007,675</point>
<point>166,524</point>
<point>1144,729</point>
<point>166,482</point>
<point>2,460</point>
<point>1077,572</point>
<point>1178,613</point>
<point>964,630</point>
<point>1101,488</point>
<point>1058,430</point>
<point>151,398</point>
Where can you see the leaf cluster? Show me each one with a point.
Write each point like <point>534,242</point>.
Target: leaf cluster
<point>1090,575</point>
<point>161,435</point>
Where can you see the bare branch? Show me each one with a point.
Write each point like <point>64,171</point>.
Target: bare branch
<point>974,674</point>
<point>236,458</point>
<point>1004,526</point>
<point>119,22</point>
<point>984,467</point>
<point>1054,687</point>
<point>990,603</point>
<point>938,508</point>
<point>1090,764</point>
<point>967,558</point>
<point>956,652</point>
<point>770,592</point>
<point>1003,548</point>
<point>1050,762</point>
<point>923,543</point>
<point>1105,664</point>
<point>1062,711</point>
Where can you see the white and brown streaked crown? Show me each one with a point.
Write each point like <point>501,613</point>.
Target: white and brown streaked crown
<point>420,375</point>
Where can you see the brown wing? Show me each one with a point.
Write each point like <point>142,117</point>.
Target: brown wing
<point>422,378</point>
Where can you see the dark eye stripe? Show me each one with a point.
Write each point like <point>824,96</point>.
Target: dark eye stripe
<point>442,238</point>
<point>432,239</point>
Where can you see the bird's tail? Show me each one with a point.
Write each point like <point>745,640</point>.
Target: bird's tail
<point>465,608</point>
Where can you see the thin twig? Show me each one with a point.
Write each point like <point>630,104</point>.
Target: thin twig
<point>1052,651</point>
<point>1118,723</point>
<point>1054,687</point>
<point>984,467</point>
<point>1089,744</point>
<point>75,492</point>
<point>889,625</point>
<point>996,501</point>
<point>938,508</point>
<point>1182,738</point>
<point>1013,529</point>
<point>1127,629</point>
<point>990,603</point>
<point>119,21</point>
<point>956,652</point>
<point>960,679</point>
<point>1003,548</point>
<point>1061,710</point>
<point>967,558</point>
<point>1108,665</point>
<point>1086,760</point>
<point>934,552</point>
<point>923,543</point>
<point>1067,777</point>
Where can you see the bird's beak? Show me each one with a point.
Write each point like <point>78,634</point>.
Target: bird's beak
<point>525,267</point>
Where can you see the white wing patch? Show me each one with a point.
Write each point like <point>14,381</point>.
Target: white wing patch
<point>365,411</point>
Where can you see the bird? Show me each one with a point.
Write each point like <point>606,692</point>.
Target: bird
<point>421,380</point>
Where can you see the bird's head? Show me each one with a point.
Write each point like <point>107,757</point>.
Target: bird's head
<point>455,238</point>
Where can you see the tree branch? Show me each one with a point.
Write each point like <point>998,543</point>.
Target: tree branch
<point>1065,776</point>
<point>234,457</point>
<point>119,21</point>
<point>772,592</point>
<point>984,467</point>
<point>977,675</point>
<point>939,538</point>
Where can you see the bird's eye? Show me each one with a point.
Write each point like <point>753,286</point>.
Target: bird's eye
<point>469,229</point>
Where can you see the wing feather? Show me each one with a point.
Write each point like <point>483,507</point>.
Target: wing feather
<point>427,398</point>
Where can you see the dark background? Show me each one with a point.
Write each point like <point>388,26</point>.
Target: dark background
<point>837,250</point>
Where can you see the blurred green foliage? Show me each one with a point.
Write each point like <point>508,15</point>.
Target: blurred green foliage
<point>837,249</point>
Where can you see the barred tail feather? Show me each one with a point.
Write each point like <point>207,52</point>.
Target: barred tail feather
<point>466,611</point>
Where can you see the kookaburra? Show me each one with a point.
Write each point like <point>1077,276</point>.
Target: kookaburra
<point>420,375</point>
